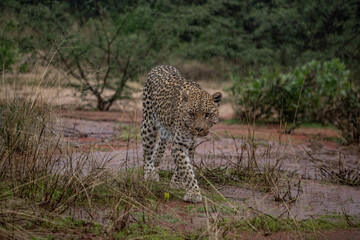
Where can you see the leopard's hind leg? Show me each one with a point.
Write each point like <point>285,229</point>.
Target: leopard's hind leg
<point>149,131</point>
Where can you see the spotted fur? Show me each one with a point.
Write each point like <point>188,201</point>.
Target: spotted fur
<point>180,111</point>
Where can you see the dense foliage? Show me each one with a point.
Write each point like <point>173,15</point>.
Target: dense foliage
<point>8,53</point>
<point>301,95</point>
<point>244,32</point>
<point>314,92</point>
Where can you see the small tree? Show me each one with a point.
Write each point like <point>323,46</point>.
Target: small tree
<point>105,52</point>
<point>102,46</point>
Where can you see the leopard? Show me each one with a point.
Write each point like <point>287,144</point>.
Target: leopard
<point>177,110</point>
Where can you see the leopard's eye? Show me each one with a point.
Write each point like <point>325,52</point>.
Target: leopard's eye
<point>207,115</point>
<point>192,114</point>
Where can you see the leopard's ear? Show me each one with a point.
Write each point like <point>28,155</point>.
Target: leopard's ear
<point>184,96</point>
<point>217,97</point>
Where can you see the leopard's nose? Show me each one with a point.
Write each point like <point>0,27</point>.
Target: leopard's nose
<point>198,129</point>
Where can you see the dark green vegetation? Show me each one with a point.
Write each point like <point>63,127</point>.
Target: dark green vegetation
<point>314,92</point>
<point>248,32</point>
<point>103,44</point>
<point>300,95</point>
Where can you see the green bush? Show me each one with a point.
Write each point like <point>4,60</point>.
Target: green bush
<point>309,91</point>
<point>8,53</point>
<point>345,115</point>
<point>254,95</point>
<point>306,94</point>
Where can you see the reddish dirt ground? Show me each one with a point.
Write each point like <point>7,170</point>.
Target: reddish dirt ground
<point>105,130</point>
<point>266,132</point>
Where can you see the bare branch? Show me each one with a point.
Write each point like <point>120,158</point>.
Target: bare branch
<point>72,73</point>
<point>119,29</point>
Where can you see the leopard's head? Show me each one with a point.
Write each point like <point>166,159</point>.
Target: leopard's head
<point>200,111</point>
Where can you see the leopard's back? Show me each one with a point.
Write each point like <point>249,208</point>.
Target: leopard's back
<point>162,93</point>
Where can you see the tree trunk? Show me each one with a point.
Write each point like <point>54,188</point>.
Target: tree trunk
<point>101,104</point>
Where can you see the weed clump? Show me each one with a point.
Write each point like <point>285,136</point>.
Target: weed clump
<point>22,124</point>
<point>39,173</point>
<point>341,173</point>
<point>248,166</point>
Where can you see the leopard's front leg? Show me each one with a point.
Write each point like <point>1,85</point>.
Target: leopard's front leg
<point>184,176</point>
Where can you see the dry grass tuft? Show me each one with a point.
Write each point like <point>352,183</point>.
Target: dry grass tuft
<point>339,174</point>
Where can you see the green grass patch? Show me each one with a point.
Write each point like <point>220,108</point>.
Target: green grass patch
<point>166,175</point>
<point>129,132</point>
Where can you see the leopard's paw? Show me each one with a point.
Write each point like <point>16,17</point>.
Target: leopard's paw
<point>193,197</point>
